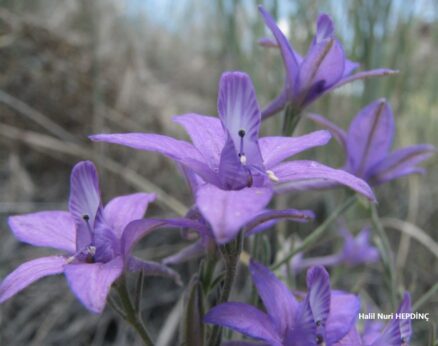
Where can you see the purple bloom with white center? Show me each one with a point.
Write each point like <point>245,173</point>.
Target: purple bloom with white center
<point>322,317</point>
<point>97,240</point>
<point>228,153</point>
<point>368,142</point>
<point>321,70</point>
<point>397,332</point>
<point>355,250</point>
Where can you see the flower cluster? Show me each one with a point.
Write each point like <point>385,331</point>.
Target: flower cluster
<point>234,174</point>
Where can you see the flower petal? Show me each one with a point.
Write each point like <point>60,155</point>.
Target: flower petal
<point>206,133</point>
<point>344,309</point>
<point>244,319</point>
<point>288,54</point>
<point>405,324</point>
<point>324,28</point>
<point>277,215</point>
<point>296,171</point>
<point>54,229</point>
<point>28,273</point>
<point>400,162</point>
<point>370,137</point>
<point>322,67</point>
<point>358,250</point>
<point>276,149</point>
<point>91,282</point>
<point>228,211</point>
<point>352,338</point>
<point>339,134</point>
<point>84,201</point>
<point>278,301</point>
<point>123,209</point>
<point>151,268</point>
<point>240,115</point>
<point>318,295</point>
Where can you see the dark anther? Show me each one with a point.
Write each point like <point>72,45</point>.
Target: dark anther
<point>318,323</point>
<point>86,217</point>
<point>242,133</point>
<point>319,339</point>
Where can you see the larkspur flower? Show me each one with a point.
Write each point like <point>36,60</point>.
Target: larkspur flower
<point>397,332</point>
<point>228,153</point>
<point>355,250</point>
<point>321,70</point>
<point>322,317</point>
<point>368,143</point>
<point>97,240</point>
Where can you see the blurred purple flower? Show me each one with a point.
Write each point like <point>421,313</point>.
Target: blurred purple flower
<point>321,70</point>
<point>98,240</point>
<point>368,142</point>
<point>322,317</point>
<point>355,250</point>
<point>228,153</point>
<point>397,332</point>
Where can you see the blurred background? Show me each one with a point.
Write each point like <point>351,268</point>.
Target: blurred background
<point>70,68</point>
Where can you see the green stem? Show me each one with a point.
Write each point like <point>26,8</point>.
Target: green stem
<point>230,253</point>
<point>311,239</point>
<point>291,119</point>
<point>131,315</point>
<point>386,254</point>
<point>429,294</point>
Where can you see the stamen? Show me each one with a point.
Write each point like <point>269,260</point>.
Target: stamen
<point>241,153</point>
<point>86,218</point>
<point>242,158</point>
<point>272,176</point>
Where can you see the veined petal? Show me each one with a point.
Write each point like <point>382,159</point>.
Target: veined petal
<point>240,115</point>
<point>206,133</point>
<point>363,75</point>
<point>339,134</point>
<point>276,149</point>
<point>228,211</point>
<point>310,170</point>
<point>276,105</point>
<point>370,137</point>
<point>304,332</point>
<point>322,67</point>
<point>122,210</point>
<point>244,319</point>
<point>29,272</point>
<point>173,148</point>
<point>318,295</point>
<point>151,268</point>
<point>91,282</point>
<point>344,309</point>
<point>54,229</point>
<point>277,215</point>
<point>84,202</point>
<point>401,161</point>
<point>288,54</point>
<point>278,301</point>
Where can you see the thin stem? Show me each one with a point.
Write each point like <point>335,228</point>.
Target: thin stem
<point>230,254</point>
<point>311,239</point>
<point>131,315</point>
<point>425,297</point>
<point>291,119</point>
<point>386,254</point>
<point>139,292</point>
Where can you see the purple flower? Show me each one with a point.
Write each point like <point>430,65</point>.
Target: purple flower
<point>321,70</point>
<point>396,333</point>
<point>322,317</point>
<point>355,250</point>
<point>228,153</point>
<point>97,240</point>
<point>368,143</point>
